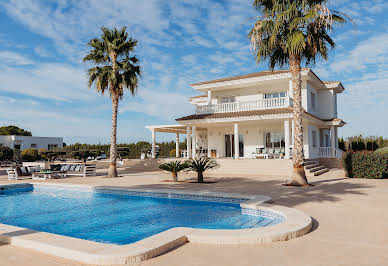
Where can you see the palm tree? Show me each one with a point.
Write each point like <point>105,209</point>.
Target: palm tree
<point>292,32</point>
<point>174,167</point>
<point>115,70</point>
<point>200,165</point>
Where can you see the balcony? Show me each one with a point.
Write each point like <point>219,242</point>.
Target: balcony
<point>244,106</point>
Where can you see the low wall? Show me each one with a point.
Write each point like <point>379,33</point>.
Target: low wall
<point>331,162</point>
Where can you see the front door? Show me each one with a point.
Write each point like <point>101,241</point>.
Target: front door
<point>229,145</point>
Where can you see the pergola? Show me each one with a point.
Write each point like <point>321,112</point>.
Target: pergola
<point>177,129</point>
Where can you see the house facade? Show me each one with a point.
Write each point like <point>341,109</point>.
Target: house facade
<point>250,116</point>
<point>30,142</point>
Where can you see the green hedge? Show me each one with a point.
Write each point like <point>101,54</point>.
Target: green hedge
<point>383,151</point>
<point>30,155</point>
<point>365,164</point>
<point>6,154</point>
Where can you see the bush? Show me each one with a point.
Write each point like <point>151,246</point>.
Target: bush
<point>174,167</point>
<point>341,144</point>
<point>347,163</point>
<point>6,154</point>
<point>30,155</point>
<point>172,153</point>
<point>365,164</point>
<point>200,165</point>
<point>383,151</point>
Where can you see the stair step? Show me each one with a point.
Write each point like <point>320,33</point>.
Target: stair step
<point>313,165</point>
<point>316,169</point>
<point>321,171</point>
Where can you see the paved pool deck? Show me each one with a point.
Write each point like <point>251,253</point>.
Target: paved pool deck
<point>350,221</point>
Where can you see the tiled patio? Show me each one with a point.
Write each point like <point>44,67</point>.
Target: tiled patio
<point>349,215</point>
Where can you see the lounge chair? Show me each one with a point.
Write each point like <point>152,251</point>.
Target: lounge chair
<point>23,172</point>
<point>79,170</point>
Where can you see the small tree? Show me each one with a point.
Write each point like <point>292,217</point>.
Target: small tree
<point>30,155</point>
<point>6,154</point>
<point>200,165</point>
<point>174,167</point>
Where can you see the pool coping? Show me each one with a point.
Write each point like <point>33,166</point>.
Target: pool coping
<point>296,224</point>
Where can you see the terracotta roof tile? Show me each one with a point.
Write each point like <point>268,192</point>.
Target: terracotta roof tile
<point>328,82</point>
<point>199,96</point>
<point>275,111</point>
<point>252,75</point>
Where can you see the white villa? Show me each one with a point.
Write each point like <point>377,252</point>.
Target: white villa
<point>250,116</point>
<point>30,142</point>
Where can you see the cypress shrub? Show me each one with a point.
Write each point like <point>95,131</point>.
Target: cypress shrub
<point>361,146</point>
<point>347,163</point>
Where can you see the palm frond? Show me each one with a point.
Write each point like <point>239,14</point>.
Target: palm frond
<point>115,68</point>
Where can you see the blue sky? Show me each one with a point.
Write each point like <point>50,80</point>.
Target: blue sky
<point>43,86</point>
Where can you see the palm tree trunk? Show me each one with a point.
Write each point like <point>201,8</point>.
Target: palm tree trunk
<point>298,174</point>
<point>175,177</point>
<point>112,172</point>
<point>200,177</point>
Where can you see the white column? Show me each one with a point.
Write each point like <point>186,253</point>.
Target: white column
<point>194,142</point>
<point>332,140</point>
<point>177,146</point>
<point>236,142</point>
<point>209,97</point>
<point>188,147</point>
<point>153,144</point>
<point>287,138</point>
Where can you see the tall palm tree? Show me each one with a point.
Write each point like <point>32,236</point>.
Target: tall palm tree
<point>292,32</point>
<point>115,70</point>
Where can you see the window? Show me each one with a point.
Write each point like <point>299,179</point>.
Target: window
<point>275,95</point>
<point>52,146</point>
<point>274,140</point>
<point>231,99</point>
<point>327,139</point>
<point>33,145</point>
<point>314,134</point>
<point>17,146</point>
<point>313,101</point>
<point>1,144</point>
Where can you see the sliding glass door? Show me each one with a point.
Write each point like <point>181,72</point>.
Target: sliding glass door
<point>229,145</point>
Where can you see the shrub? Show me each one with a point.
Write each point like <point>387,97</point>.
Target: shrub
<point>347,163</point>
<point>383,151</point>
<point>30,155</point>
<point>341,144</point>
<point>6,154</point>
<point>172,153</point>
<point>174,167</point>
<point>200,165</point>
<point>365,164</point>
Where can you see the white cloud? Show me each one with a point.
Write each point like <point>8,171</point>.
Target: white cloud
<point>363,104</point>
<point>13,59</point>
<point>189,59</point>
<point>42,51</point>
<point>371,51</point>
<point>59,82</point>
<point>165,105</point>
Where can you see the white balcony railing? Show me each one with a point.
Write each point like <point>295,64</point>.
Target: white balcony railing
<point>244,106</point>
<point>326,152</point>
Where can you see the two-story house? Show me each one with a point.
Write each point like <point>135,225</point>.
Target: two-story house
<point>250,116</point>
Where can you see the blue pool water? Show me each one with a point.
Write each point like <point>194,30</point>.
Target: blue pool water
<point>115,218</point>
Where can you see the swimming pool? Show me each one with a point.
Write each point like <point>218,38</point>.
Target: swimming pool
<point>121,217</point>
